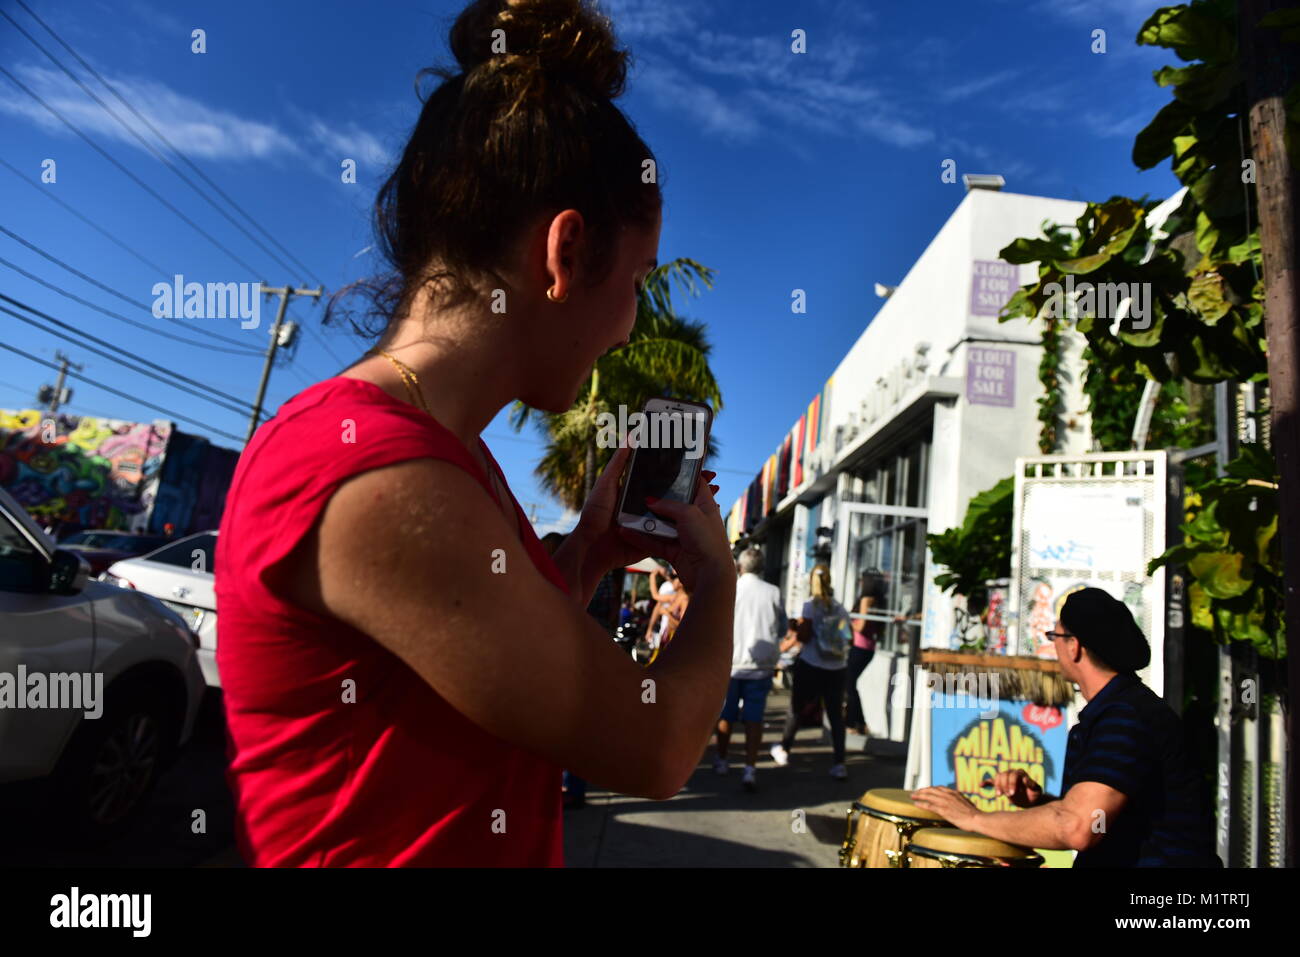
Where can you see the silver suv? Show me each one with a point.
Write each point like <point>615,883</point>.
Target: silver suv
<point>99,686</point>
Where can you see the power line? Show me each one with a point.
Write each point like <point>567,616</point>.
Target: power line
<point>115,315</point>
<point>135,179</point>
<point>120,295</point>
<point>111,358</point>
<point>112,89</point>
<point>324,345</point>
<point>140,139</point>
<point>163,159</point>
<point>48,194</point>
<point>118,392</point>
<point>241,405</point>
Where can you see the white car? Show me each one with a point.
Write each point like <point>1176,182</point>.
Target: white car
<point>181,575</point>
<point>99,687</point>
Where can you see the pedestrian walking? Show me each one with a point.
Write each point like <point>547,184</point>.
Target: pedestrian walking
<point>824,637</point>
<point>866,635</point>
<point>759,625</point>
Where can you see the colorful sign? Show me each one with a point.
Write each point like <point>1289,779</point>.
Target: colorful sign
<point>993,282</point>
<point>991,377</point>
<point>971,745</point>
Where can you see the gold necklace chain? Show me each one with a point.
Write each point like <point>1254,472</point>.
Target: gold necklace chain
<point>409,379</point>
<point>412,383</point>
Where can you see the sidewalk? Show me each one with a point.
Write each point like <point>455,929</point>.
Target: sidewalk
<point>714,822</point>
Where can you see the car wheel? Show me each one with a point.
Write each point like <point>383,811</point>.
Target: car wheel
<point>112,765</point>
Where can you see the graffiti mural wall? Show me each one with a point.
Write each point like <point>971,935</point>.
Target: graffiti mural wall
<point>81,471</point>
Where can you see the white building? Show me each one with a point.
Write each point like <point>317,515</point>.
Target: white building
<point>930,406</point>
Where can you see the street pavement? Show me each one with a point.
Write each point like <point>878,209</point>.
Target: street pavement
<point>795,819</point>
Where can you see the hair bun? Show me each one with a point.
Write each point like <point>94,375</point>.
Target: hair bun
<point>566,39</point>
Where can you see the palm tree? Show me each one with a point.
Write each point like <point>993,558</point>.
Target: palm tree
<point>666,355</point>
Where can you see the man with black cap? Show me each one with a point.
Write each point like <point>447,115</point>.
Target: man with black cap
<point>1130,792</point>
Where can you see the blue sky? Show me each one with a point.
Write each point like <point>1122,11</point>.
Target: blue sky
<point>818,171</point>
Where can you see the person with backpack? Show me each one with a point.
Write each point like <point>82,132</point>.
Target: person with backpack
<point>824,637</point>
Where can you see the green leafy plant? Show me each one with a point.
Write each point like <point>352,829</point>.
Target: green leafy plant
<point>980,549</point>
<point>1234,554</point>
<point>1205,325</point>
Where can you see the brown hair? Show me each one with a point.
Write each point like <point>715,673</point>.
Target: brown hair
<point>506,138</point>
<point>822,592</point>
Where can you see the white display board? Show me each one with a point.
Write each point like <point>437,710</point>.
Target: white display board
<point>1082,521</point>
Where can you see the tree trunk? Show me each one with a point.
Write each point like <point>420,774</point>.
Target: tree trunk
<point>1267,80</point>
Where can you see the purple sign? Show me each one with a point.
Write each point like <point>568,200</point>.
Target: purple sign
<point>992,283</point>
<point>991,377</point>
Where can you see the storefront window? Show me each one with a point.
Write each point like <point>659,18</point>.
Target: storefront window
<point>891,548</point>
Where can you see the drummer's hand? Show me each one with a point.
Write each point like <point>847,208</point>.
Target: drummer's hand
<point>949,804</point>
<point>1019,787</point>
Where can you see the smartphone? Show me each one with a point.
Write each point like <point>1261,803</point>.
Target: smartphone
<point>669,441</point>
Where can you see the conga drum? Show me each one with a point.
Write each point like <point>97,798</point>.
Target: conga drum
<point>949,847</point>
<point>880,825</point>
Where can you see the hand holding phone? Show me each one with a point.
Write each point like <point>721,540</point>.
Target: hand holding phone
<point>669,443</point>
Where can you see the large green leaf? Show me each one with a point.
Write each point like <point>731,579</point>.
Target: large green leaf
<point>1265,540</point>
<point>1156,141</point>
<point>1205,527</point>
<point>1220,574</point>
<point>1195,32</point>
<point>1201,85</point>
<point>1205,294</point>
<point>1029,251</point>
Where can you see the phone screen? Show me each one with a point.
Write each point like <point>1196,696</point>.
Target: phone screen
<point>665,472</point>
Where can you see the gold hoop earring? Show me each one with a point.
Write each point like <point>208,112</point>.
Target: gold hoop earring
<point>550,294</point>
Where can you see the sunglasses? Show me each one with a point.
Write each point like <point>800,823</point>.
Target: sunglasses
<point>1058,634</point>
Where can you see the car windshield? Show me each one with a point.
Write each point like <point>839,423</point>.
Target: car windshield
<point>89,539</point>
<point>197,552</point>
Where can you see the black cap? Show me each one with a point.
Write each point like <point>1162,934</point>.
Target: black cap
<point>1105,626</point>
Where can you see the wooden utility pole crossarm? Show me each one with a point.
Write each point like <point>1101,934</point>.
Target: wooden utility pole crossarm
<point>285,293</point>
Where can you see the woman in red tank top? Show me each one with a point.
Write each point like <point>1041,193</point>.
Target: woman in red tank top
<point>383,706</point>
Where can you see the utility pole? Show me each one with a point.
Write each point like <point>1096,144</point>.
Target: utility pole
<point>1268,64</point>
<point>281,334</point>
<point>55,397</point>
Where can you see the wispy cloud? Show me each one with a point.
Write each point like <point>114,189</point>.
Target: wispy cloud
<point>672,89</point>
<point>198,129</point>
<point>1097,12</point>
<point>744,86</point>
<point>349,141</point>
<point>964,91</point>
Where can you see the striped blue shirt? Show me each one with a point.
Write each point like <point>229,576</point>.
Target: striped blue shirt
<point>1128,738</point>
